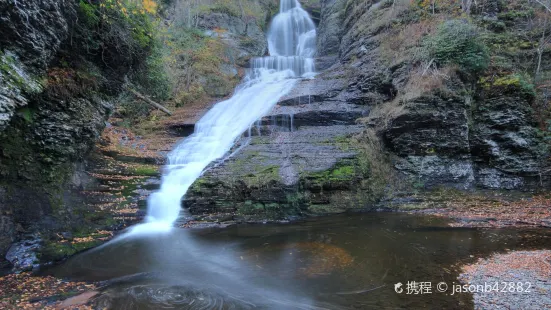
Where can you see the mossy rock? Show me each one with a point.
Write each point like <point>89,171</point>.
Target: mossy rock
<point>341,175</point>
<point>508,84</point>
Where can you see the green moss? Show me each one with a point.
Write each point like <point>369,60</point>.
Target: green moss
<point>7,69</point>
<point>53,251</point>
<point>200,184</point>
<point>13,75</point>
<point>494,25</point>
<point>88,11</point>
<point>506,42</point>
<point>81,246</point>
<point>27,114</point>
<point>341,172</point>
<point>56,251</point>
<point>22,164</point>
<point>261,175</point>
<point>513,83</point>
<point>344,172</point>
<point>146,170</point>
<point>324,209</point>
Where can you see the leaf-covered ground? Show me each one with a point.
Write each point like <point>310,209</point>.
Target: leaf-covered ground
<point>488,209</point>
<point>522,279</point>
<point>24,291</point>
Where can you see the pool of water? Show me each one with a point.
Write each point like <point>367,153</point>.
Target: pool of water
<point>338,262</point>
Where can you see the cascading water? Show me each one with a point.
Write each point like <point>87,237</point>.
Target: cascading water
<point>291,43</point>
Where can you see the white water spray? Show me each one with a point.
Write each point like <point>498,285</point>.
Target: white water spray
<point>291,43</point>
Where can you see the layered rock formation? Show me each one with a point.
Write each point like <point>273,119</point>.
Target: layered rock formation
<point>31,33</point>
<point>295,161</point>
<point>452,132</point>
<point>461,132</point>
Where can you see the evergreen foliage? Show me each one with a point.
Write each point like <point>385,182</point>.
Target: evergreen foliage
<point>457,42</point>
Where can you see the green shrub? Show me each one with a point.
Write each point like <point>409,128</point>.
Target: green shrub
<point>152,79</point>
<point>457,42</point>
<point>516,14</point>
<point>118,34</point>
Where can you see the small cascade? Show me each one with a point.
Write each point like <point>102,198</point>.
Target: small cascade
<point>292,32</point>
<point>292,45</point>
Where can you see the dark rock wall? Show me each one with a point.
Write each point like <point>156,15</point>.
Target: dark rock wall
<point>31,32</point>
<point>42,135</point>
<point>237,31</point>
<point>463,137</point>
<point>34,29</point>
<point>329,30</point>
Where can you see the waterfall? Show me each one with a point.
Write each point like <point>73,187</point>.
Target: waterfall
<point>291,43</point>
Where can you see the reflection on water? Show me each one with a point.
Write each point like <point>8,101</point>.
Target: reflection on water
<point>339,262</point>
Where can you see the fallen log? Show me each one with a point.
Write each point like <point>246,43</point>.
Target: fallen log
<point>149,101</point>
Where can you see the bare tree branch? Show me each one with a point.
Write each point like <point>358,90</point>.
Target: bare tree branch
<point>545,4</point>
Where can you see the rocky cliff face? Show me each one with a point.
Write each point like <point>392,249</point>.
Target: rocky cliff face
<point>31,33</point>
<point>55,96</point>
<point>458,132</point>
<point>58,81</point>
<point>375,111</point>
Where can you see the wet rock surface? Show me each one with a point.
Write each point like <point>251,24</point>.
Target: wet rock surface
<point>34,29</point>
<point>293,162</point>
<point>442,137</point>
<point>330,30</point>
<point>7,235</point>
<point>22,255</point>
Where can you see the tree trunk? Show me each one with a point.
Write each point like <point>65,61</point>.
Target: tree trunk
<point>149,101</point>
<point>540,49</point>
